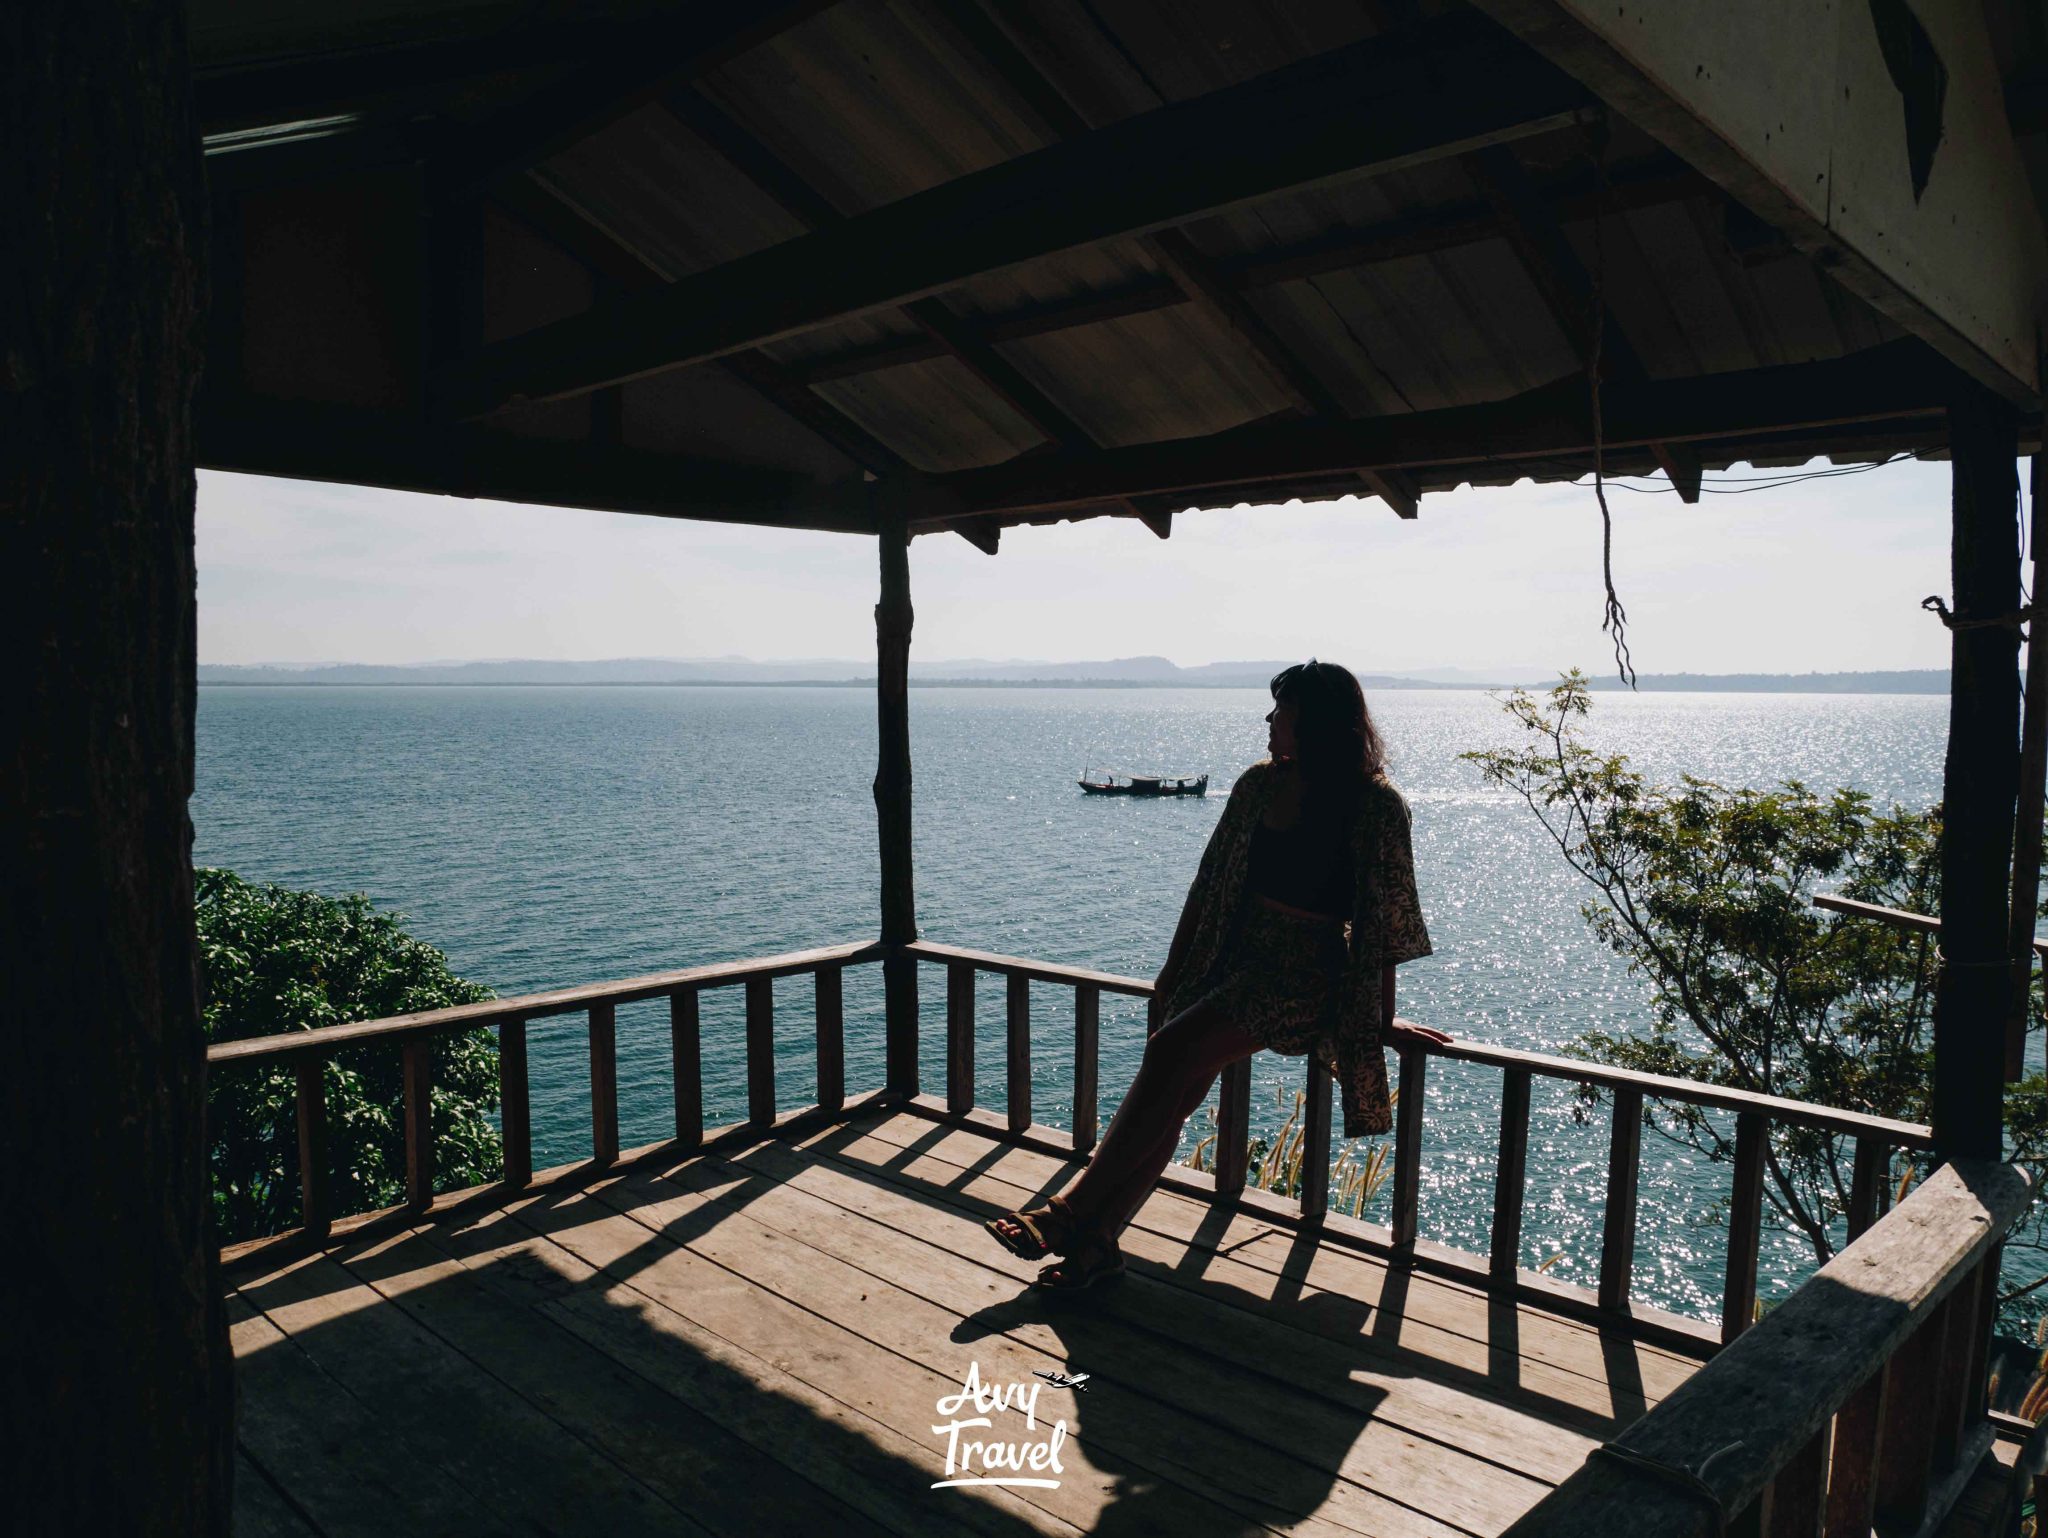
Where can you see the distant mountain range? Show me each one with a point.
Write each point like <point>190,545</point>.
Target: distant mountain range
<point>1156,672</point>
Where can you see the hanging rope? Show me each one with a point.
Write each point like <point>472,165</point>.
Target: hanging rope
<point>2012,621</point>
<point>1614,622</point>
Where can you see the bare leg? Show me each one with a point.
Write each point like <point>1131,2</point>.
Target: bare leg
<point>1181,1062</point>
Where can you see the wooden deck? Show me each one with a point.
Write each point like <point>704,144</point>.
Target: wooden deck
<point>755,1339</point>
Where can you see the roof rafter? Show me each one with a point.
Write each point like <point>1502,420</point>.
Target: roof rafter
<point>1354,112</point>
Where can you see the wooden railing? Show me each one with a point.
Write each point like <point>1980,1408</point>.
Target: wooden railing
<point>1875,1138</point>
<point>1858,1402</point>
<point>413,1035</point>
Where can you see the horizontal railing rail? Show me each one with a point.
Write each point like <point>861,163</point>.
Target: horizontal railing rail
<point>308,1051</point>
<point>1898,918</point>
<point>1858,1402</point>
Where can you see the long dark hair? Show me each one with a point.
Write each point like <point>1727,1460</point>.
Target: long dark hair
<point>1337,745</point>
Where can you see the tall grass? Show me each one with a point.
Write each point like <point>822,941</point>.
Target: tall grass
<point>1275,1164</point>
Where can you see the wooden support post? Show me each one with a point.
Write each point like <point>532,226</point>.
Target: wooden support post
<point>686,1057</point>
<point>314,1207</point>
<point>1980,779</point>
<point>417,1064</point>
<point>2026,844</point>
<point>761,1051</point>
<point>892,795</point>
<point>1867,1182</point>
<point>1510,1179</point>
<point>1407,1215</point>
<point>1618,1236</point>
<point>1745,1214</point>
<point>1233,1126</point>
<point>1087,1060</point>
<point>1017,1071</point>
<point>515,1116</point>
<point>960,1037</point>
<point>1315,1141</point>
<point>604,1084</point>
<point>831,1013</point>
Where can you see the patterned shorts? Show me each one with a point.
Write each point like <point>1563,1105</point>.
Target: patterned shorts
<point>1276,978</point>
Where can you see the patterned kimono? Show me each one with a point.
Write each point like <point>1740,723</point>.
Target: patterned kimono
<point>1385,928</point>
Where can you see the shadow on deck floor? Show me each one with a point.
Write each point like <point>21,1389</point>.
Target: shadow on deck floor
<point>756,1339</point>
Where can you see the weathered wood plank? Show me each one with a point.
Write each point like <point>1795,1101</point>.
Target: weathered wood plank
<point>681,1454</point>
<point>328,1038</point>
<point>1618,1227</point>
<point>686,1062</point>
<point>1510,1178</point>
<point>760,1050</point>
<point>450,1416</point>
<point>959,1037</point>
<point>417,1068</point>
<point>1868,1177</point>
<point>1407,1199</point>
<point>515,1113</point>
<point>260,1511</point>
<point>1270,1355</point>
<point>1315,1139</point>
<point>1017,1040</point>
<point>315,1183</point>
<point>1745,1215</point>
<point>604,1082</point>
<point>830,1010</point>
<point>1167,1405</point>
<point>1087,1063</point>
<point>1852,1470</point>
<point>1797,1499</point>
<point>1038,971</point>
<point>1435,1328</point>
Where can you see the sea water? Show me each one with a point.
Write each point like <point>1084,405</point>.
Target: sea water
<point>546,837</point>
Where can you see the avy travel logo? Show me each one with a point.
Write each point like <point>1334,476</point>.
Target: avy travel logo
<point>996,1460</point>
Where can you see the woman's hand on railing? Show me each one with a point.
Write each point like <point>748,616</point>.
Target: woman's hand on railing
<point>1155,1006</point>
<point>1406,1033</point>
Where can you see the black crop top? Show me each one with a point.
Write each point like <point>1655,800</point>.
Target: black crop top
<point>1306,866</point>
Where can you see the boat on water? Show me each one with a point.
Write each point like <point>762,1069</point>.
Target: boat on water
<point>1115,783</point>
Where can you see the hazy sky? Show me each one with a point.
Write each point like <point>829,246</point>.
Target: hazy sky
<point>1825,575</point>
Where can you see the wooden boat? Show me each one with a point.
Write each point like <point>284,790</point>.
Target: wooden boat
<point>1144,784</point>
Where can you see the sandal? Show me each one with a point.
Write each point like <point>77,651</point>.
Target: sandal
<point>1030,1236</point>
<point>1097,1259</point>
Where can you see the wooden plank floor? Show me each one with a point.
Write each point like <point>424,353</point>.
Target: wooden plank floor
<point>757,1340</point>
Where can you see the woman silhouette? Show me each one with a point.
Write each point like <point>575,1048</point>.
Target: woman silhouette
<point>1302,907</point>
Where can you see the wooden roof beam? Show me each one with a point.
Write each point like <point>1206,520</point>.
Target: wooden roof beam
<point>1898,380</point>
<point>1553,265</point>
<point>1356,111</point>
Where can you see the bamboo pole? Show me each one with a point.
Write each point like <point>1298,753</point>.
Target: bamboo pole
<point>2026,849</point>
<point>892,794</point>
<point>1980,779</point>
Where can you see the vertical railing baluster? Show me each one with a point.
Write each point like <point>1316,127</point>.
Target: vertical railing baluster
<point>1510,1179</point>
<point>1618,1233</point>
<point>1906,1465</point>
<point>604,1084</point>
<point>901,1039</point>
<point>1233,1127</point>
<point>959,1037</point>
<point>1315,1141</point>
<point>1952,1374</point>
<point>315,1208</point>
<point>419,1121</point>
<point>1976,1393</point>
<point>1745,1217</point>
<point>1407,1213</point>
<point>831,1013</point>
<point>686,1061</point>
<point>1799,1491</point>
<point>1017,1070</point>
<point>1852,1468</point>
<point>515,1114</point>
<point>761,1051</point>
<point>1866,1178</point>
<point>1087,1060</point>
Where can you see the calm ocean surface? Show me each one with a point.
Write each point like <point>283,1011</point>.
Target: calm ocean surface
<point>543,837</point>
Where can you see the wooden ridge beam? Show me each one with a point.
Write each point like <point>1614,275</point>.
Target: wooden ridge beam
<point>1897,380</point>
<point>1448,228</point>
<point>1356,111</point>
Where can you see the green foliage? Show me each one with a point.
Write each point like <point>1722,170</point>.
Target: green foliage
<point>1708,892</point>
<point>273,959</point>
